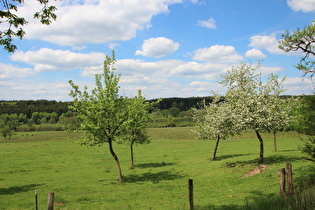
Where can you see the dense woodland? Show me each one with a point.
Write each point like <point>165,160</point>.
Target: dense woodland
<point>44,115</point>
<point>28,107</point>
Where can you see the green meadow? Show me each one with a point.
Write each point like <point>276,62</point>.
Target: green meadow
<point>85,177</point>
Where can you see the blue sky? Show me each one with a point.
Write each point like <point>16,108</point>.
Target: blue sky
<point>166,48</point>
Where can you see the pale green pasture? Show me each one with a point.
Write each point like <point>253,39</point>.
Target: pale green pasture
<point>86,178</point>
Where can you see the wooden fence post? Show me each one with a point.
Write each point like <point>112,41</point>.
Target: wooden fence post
<point>50,204</point>
<point>191,193</point>
<point>282,181</point>
<point>36,200</point>
<point>289,178</point>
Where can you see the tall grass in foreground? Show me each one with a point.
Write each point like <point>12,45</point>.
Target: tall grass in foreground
<point>85,178</point>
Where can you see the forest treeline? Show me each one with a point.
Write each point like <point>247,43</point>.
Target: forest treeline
<point>28,107</point>
<point>44,115</point>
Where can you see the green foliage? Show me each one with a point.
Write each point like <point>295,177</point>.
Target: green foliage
<point>5,130</point>
<point>183,104</point>
<point>14,23</point>
<point>301,40</point>
<point>135,127</point>
<point>305,122</point>
<point>173,111</point>
<point>102,114</point>
<point>105,116</point>
<point>309,147</point>
<point>28,107</point>
<point>69,120</point>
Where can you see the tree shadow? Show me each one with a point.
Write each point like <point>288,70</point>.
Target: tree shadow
<point>223,157</point>
<point>153,177</point>
<point>267,160</point>
<point>259,200</point>
<point>18,189</point>
<point>154,165</point>
<point>307,175</point>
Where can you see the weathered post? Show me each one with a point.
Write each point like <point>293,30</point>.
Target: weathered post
<point>282,181</point>
<point>50,204</point>
<point>191,193</point>
<point>289,178</point>
<point>36,200</point>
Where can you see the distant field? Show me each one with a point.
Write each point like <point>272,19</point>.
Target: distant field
<point>85,177</point>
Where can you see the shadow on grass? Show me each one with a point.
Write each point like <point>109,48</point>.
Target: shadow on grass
<point>257,201</point>
<point>18,189</point>
<point>223,157</point>
<point>303,197</point>
<point>153,177</point>
<point>267,160</point>
<point>307,175</point>
<point>154,165</point>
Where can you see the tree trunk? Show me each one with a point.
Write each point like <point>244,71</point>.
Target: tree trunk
<point>131,156</point>
<point>216,147</point>
<point>275,140</point>
<point>116,160</point>
<point>261,146</point>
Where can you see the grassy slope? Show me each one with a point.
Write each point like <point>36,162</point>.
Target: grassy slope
<point>86,178</point>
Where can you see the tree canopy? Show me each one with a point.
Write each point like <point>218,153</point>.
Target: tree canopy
<point>216,121</point>
<point>301,40</point>
<point>254,101</point>
<point>14,24</point>
<point>135,129</point>
<point>105,116</point>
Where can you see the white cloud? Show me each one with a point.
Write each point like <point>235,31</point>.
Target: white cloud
<point>207,23</point>
<point>113,45</point>
<point>270,70</point>
<point>158,47</point>
<point>269,43</point>
<point>58,60</point>
<point>82,22</point>
<point>253,53</point>
<point>8,71</point>
<point>34,89</point>
<point>304,5</point>
<point>217,54</point>
<point>161,79</point>
<point>298,86</point>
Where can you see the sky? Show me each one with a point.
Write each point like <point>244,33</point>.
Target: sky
<point>165,48</point>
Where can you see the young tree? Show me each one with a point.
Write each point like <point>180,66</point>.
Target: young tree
<point>309,148</point>
<point>306,124</point>
<point>103,114</point>
<point>5,130</point>
<point>14,23</point>
<point>135,130</point>
<point>216,121</point>
<point>282,116</point>
<point>301,40</point>
<point>252,100</point>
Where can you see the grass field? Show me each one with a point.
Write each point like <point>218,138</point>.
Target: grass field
<point>86,178</point>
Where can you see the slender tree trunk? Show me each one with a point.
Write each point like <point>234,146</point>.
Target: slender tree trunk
<point>275,140</point>
<point>216,147</point>
<point>131,156</point>
<point>116,160</point>
<point>261,145</point>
